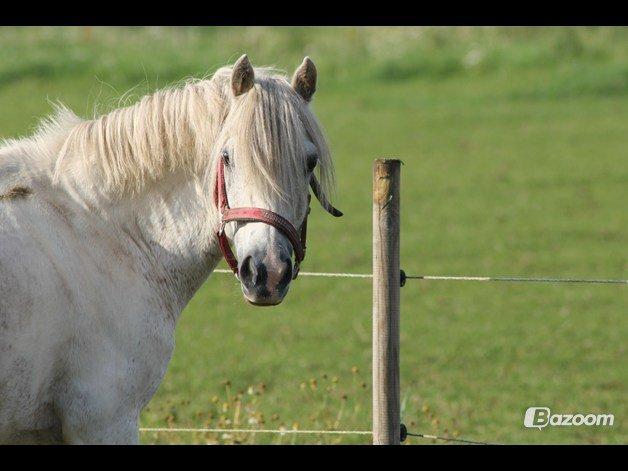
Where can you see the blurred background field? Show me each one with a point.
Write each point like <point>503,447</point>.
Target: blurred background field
<point>514,142</point>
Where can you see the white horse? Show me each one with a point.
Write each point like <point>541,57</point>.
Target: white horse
<point>109,226</point>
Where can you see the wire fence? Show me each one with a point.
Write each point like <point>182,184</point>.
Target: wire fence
<point>511,279</point>
<point>516,279</point>
<point>403,278</point>
<point>308,432</point>
<point>447,439</point>
<point>279,431</point>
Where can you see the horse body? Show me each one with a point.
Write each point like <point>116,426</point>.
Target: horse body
<point>108,228</point>
<point>88,308</point>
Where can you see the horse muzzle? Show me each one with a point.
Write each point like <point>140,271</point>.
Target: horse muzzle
<point>265,281</point>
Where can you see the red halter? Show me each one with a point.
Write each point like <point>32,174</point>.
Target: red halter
<point>266,216</point>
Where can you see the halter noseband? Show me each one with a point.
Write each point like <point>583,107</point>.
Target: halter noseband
<point>227,214</point>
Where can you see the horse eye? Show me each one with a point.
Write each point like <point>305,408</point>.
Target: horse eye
<point>225,156</point>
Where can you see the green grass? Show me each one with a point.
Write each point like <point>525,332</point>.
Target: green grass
<point>514,144</point>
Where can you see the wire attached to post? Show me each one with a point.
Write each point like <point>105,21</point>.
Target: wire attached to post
<point>404,429</point>
<point>404,434</point>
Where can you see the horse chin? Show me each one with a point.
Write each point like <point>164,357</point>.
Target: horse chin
<point>262,301</point>
<point>263,304</point>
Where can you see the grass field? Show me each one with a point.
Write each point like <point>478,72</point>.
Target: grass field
<point>514,143</point>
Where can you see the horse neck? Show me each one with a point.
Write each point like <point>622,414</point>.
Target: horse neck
<point>169,229</point>
<point>169,222</point>
<point>177,226</point>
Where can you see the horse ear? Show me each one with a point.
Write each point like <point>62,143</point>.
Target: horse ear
<point>304,79</point>
<point>242,77</point>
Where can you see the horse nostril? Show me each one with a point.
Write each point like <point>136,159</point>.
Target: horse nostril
<point>253,273</point>
<point>246,271</point>
<point>286,277</point>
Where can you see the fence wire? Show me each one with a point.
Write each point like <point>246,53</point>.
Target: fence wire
<point>403,278</point>
<point>515,279</point>
<point>465,278</point>
<point>246,430</point>
<point>447,439</point>
<point>303,432</point>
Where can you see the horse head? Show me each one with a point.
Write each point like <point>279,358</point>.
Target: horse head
<point>271,152</point>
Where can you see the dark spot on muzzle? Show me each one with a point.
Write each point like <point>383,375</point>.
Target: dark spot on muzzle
<point>254,276</point>
<point>287,275</point>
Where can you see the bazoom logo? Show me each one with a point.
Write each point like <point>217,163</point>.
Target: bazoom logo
<point>539,417</point>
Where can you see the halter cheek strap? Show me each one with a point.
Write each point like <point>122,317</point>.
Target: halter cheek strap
<point>297,238</point>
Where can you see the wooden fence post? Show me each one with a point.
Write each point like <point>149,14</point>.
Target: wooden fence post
<point>386,284</point>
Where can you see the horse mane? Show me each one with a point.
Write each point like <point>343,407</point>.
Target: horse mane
<point>185,127</point>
